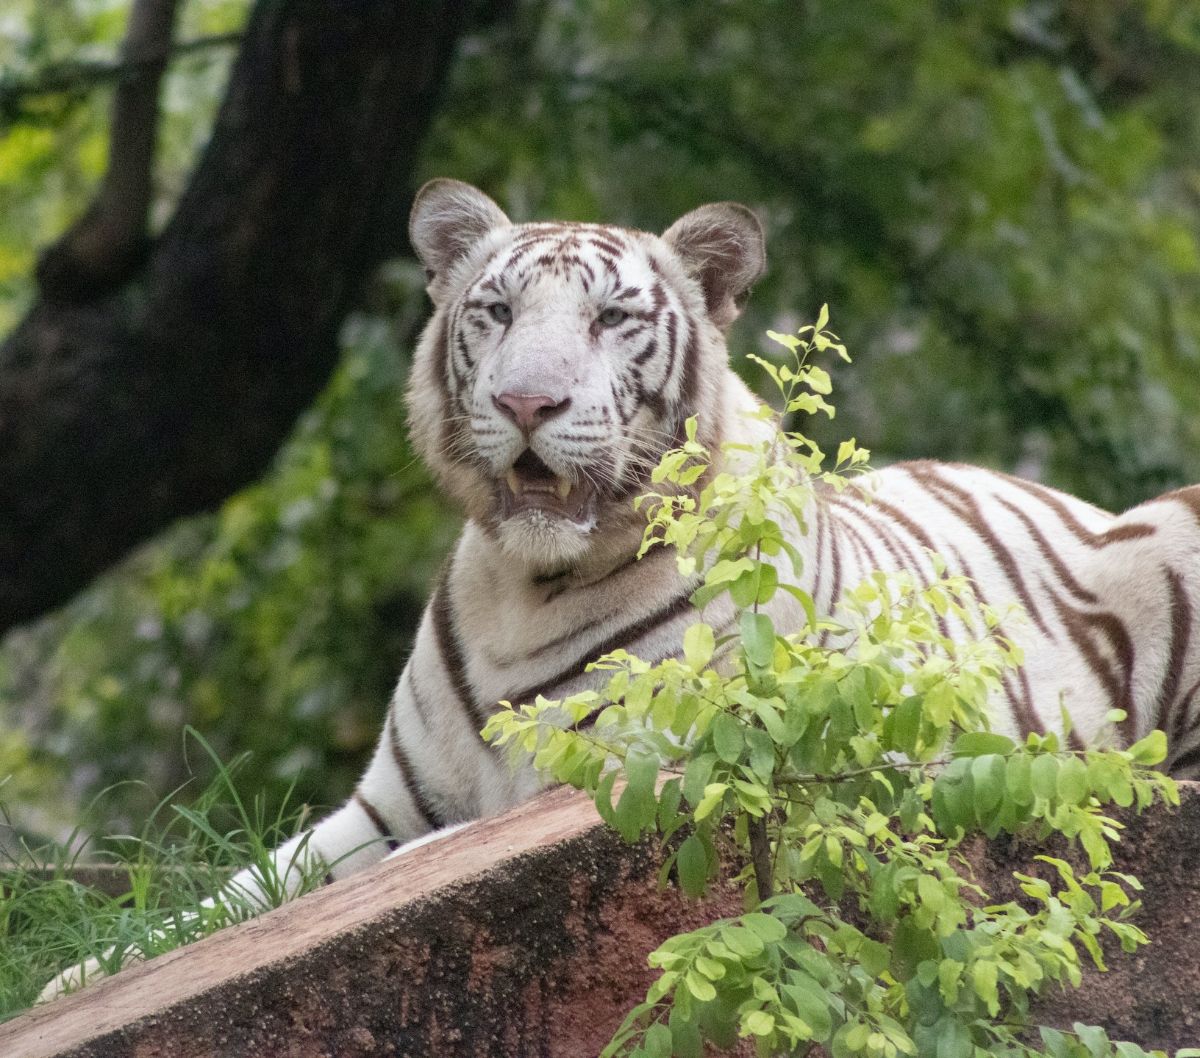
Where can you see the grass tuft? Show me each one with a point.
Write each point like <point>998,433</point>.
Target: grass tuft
<point>167,874</point>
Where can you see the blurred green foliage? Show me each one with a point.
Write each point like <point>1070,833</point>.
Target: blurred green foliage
<point>1000,200</point>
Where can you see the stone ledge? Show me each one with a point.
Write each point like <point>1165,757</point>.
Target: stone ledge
<point>527,935</point>
<point>523,934</point>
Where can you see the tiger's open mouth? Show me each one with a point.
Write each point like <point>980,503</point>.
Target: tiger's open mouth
<point>530,485</point>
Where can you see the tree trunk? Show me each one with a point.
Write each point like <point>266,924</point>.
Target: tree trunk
<point>123,410</point>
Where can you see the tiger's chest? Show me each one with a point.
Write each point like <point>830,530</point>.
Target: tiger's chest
<point>527,635</point>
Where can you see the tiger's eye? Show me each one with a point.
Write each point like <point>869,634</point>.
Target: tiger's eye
<point>500,312</point>
<point>611,316</point>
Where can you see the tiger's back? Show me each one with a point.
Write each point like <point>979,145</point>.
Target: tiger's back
<point>1106,605</point>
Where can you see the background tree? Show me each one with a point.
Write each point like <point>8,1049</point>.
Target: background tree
<point>1000,201</point>
<point>153,376</point>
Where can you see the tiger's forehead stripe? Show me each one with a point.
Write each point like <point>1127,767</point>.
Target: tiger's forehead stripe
<point>559,249</point>
<point>563,246</point>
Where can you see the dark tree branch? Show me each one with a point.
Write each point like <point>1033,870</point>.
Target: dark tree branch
<point>120,414</point>
<point>77,78</point>
<point>108,243</point>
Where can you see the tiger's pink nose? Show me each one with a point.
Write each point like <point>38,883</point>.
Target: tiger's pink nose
<point>528,410</point>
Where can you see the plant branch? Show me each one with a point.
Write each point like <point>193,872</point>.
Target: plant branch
<point>760,857</point>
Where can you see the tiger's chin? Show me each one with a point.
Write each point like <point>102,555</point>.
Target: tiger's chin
<point>544,539</point>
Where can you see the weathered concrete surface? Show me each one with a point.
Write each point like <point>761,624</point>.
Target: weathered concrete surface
<point>538,948</point>
<point>527,935</point>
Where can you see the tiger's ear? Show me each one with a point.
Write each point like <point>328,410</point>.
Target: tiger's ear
<point>449,217</point>
<point>722,246</point>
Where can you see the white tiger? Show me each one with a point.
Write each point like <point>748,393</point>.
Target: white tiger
<point>560,362</point>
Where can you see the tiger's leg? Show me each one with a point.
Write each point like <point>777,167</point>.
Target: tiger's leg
<point>396,801</point>
<point>399,797</point>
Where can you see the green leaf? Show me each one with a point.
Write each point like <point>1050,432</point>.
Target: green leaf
<point>1057,1043</point>
<point>759,1023</point>
<point>1044,776</point>
<point>811,1003</point>
<point>696,775</point>
<point>788,341</point>
<point>657,1042</point>
<point>979,743</point>
<point>686,1038</point>
<point>988,774</point>
<point>758,639</point>
<point>984,976</point>
<point>727,570</point>
<point>756,586</point>
<point>762,744</point>
<point>1072,781</point>
<point>904,724</point>
<point>1094,1038</point>
<point>931,892</point>
<point>692,866</point>
<point>745,942</point>
<point>856,1037</point>
<point>874,957</point>
<point>603,797</point>
<point>954,799</point>
<point>714,794</point>
<point>805,600</point>
<point>953,1039</point>
<point>637,807</point>
<point>744,590</point>
<point>818,381</point>
<point>768,927</point>
<point>1150,750</point>
<point>911,946</point>
<point>698,644</point>
<point>699,986</point>
<point>728,740</point>
<point>1018,779</point>
<point>669,798</point>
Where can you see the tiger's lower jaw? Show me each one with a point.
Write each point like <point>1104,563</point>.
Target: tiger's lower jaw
<point>545,539</point>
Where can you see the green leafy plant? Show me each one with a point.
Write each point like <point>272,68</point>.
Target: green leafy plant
<point>838,767</point>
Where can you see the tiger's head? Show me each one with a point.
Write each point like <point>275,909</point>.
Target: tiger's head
<point>562,360</point>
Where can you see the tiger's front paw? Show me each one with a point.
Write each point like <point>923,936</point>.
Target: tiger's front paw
<point>75,977</point>
<point>425,839</point>
<point>90,970</point>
